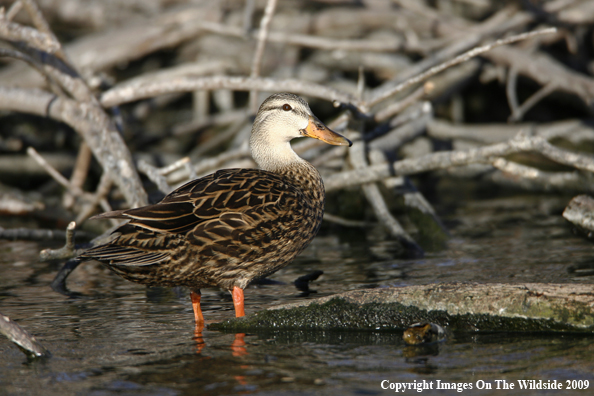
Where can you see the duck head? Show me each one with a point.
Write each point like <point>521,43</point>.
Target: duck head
<point>281,118</point>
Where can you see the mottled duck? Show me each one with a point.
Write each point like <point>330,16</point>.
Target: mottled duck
<point>235,225</point>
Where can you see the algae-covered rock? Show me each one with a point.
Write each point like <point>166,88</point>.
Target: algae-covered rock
<point>459,306</point>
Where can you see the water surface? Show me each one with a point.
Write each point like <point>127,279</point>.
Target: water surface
<point>117,337</point>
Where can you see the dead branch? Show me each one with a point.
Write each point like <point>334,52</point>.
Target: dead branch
<point>212,49</point>
<point>579,213</point>
<point>401,105</point>
<point>128,93</point>
<point>79,174</point>
<point>527,178</point>
<point>442,160</point>
<point>66,252</point>
<point>403,128</point>
<point>127,42</point>
<point>345,222</point>
<point>358,160</point>
<point>262,37</point>
<point>574,131</point>
<point>93,124</point>
<point>545,71</point>
<point>412,197</point>
<point>29,234</point>
<point>36,39</point>
<point>53,172</point>
<point>99,198</point>
<point>457,60</point>
<point>25,341</point>
<point>98,130</point>
<point>15,203</point>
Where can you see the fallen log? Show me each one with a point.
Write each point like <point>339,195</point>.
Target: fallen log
<point>466,307</point>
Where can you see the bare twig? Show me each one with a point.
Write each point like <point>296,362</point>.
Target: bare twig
<point>377,202</point>
<point>248,13</point>
<point>65,252</point>
<point>222,137</point>
<point>154,175</point>
<point>179,164</point>
<point>412,197</point>
<point>88,119</point>
<point>36,39</point>
<point>397,107</point>
<point>545,70</point>
<point>42,25</point>
<point>510,89</point>
<point>519,111</point>
<point>125,93</point>
<point>83,161</point>
<point>57,176</point>
<point>99,198</point>
<point>93,124</point>
<point>210,164</point>
<point>531,178</point>
<point>25,341</point>
<point>227,117</point>
<point>459,59</point>
<point>75,190</point>
<point>345,222</point>
<point>579,213</point>
<point>257,61</point>
<point>311,41</point>
<point>442,160</point>
<point>401,129</point>
<point>575,131</point>
<point>29,234</point>
<point>526,178</point>
<point>5,52</point>
<point>14,10</point>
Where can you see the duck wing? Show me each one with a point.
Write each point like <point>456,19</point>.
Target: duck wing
<point>232,213</point>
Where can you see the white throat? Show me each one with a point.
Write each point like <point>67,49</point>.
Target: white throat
<point>273,157</point>
<point>270,141</point>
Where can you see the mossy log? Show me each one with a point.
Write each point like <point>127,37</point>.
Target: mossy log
<point>532,307</point>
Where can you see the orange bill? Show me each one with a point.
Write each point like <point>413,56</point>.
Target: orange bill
<point>317,130</point>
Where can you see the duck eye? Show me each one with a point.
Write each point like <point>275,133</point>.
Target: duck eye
<point>287,107</point>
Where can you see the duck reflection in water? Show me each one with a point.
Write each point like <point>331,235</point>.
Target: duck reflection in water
<point>238,346</point>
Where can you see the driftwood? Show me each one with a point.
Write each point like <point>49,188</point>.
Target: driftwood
<point>580,212</point>
<point>531,307</point>
<point>418,57</point>
<point>25,341</point>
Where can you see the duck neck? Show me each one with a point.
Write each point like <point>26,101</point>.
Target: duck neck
<point>307,178</point>
<point>280,158</point>
<point>274,159</point>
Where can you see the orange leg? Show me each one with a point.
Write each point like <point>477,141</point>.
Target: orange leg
<point>195,295</point>
<point>237,294</point>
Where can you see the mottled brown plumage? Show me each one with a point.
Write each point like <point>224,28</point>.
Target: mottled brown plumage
<point>235,225</point>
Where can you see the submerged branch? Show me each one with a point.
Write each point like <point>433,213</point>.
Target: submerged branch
<point>21,337</point>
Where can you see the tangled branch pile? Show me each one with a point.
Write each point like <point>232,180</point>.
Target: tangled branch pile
<point>403,77</point>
